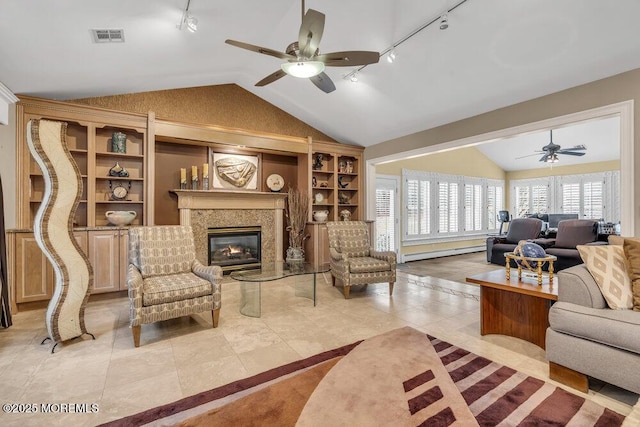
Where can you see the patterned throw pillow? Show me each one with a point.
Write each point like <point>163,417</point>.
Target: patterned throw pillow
<point>353,245</point>
<point>608,266</point>
<point>632,251</point>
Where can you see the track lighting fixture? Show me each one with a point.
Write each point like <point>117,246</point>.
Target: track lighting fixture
<point>391,56</point>
<point>188,21</point>
<point>444,22</point>
<point>442,19</point>
<point>354,77</point>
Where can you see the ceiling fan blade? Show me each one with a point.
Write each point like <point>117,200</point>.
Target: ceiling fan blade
<point>348,58</point>
<point>271,78</point>
<point>323,82</point>
<point>571,153</point>
<point>576,148</point>
<point>544,158</point>
<point>260,49</point>
<point>529,155</point>
<point>310,33</point>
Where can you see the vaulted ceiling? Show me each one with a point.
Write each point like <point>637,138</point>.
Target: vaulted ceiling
<point>495,53</point>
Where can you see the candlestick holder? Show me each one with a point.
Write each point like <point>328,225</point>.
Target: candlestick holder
<point>205,182</point>
<point>194,183</point>
<point>183,184</point>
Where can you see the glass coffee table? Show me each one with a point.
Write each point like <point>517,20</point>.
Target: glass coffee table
<point>251,283</point>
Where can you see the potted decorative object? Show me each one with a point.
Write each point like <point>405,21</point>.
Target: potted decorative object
<point>297,212</point>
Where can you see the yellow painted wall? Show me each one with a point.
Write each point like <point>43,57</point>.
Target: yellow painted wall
<point>466,161</point>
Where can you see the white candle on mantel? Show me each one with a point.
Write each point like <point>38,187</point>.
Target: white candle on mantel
<point>205,170</point>
<point>183,174</point>
<point>194,173</point>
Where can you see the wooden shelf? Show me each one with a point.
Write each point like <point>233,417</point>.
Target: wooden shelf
<point>119,155</point>
<point>123,202</point>
<point>118,178</point>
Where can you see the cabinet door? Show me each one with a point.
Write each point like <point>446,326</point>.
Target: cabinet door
<point>124,258</point>
<point>317,246</point>
<point>34,274</point>
<point>104,255</point>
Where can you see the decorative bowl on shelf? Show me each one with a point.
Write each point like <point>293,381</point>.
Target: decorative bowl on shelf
<point>320,216</point>
<point>120,218</point>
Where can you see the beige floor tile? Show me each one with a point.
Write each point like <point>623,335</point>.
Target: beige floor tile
<point>181,357</point>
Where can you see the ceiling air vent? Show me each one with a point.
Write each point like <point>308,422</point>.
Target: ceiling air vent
<point>108,36</point>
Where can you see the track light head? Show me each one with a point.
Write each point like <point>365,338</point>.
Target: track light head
<point>391,56</point>
<point>354,77</point>
<point>444,22</point>
<point>191,23</point>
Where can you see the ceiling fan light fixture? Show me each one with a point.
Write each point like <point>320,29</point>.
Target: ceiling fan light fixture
<point>552,158</point>
<point>354,77</point>
<point>303,69</point>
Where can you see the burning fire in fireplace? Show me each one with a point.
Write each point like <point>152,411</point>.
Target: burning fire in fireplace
<point>235,248</point>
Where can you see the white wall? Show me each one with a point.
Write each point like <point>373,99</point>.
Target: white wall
<point>8,167</point>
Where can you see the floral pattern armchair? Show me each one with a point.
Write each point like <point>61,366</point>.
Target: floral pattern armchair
<point>166,280</point>
<point>353,261</point>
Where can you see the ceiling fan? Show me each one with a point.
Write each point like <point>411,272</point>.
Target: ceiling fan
<point>551,150</point>
<point>303,56</point>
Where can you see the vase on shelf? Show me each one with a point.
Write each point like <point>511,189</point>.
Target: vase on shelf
<point>118,142</point>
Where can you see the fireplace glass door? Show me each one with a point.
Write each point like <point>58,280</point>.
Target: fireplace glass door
<point>235,248</point>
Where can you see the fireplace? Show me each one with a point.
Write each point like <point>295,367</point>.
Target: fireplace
<point>234,248</point>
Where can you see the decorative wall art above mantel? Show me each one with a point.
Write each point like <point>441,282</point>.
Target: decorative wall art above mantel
<point>235,171</point>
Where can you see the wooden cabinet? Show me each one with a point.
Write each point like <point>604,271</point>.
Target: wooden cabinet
<point>109,258</point>
<point>317,245</point>
<point>89,139</point>
<point>33,274</point>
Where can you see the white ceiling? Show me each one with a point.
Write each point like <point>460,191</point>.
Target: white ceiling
<point>600,137</point>
<point>495,53</point>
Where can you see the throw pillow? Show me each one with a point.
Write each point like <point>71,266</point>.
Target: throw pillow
<point>632,251</point>
<point>353,245</point>
<point>608,266</point>
<point>619,240</point>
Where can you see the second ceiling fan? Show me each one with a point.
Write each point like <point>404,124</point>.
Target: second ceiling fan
<point>303,56</point>
<point>551,150</point>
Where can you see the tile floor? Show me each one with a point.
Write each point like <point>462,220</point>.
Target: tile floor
<point>180,357</point>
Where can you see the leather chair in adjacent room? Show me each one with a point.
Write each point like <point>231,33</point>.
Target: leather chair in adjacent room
<point>571,233</point>
<point>519,229</point>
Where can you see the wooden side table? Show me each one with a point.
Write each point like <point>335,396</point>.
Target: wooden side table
<point>511,256</point>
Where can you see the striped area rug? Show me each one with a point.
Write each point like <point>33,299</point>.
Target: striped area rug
<point>498,395</point>
<point>399,378</point>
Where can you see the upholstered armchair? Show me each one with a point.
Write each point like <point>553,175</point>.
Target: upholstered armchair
<point>166,280</point>
<point>353,261</point>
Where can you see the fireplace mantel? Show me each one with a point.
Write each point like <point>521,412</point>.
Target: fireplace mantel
<point>192,203</point>
<point>206,199</point>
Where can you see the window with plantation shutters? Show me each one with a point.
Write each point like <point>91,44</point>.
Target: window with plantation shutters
<point>385,219</point>
<point>417,207</point>
<point>495,203</point>
<point>570,198</point>
<point>591,196</point>
<point>441,206</point>
<point>473,207</point>
<point>447,207</point>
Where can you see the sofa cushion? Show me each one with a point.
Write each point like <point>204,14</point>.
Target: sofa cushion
<point>632,252</point>
<point>616,328</point>
<point>175,287</point>
<point>574,232</point>
<point>368,265</point>
<point>608,266</point>
<point>353,245</point>
<point>523,229</point>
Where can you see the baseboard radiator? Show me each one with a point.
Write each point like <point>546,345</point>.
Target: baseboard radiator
<point>437,254</point>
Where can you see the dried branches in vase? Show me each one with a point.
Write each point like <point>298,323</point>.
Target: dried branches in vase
<point>297,212</point>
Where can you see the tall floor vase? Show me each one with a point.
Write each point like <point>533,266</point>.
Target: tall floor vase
<point>53,229</point>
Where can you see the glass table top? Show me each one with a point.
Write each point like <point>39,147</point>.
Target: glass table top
<point>277,270</point>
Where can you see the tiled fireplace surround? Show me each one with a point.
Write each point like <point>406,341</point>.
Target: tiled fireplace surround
<point>205,209</point>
